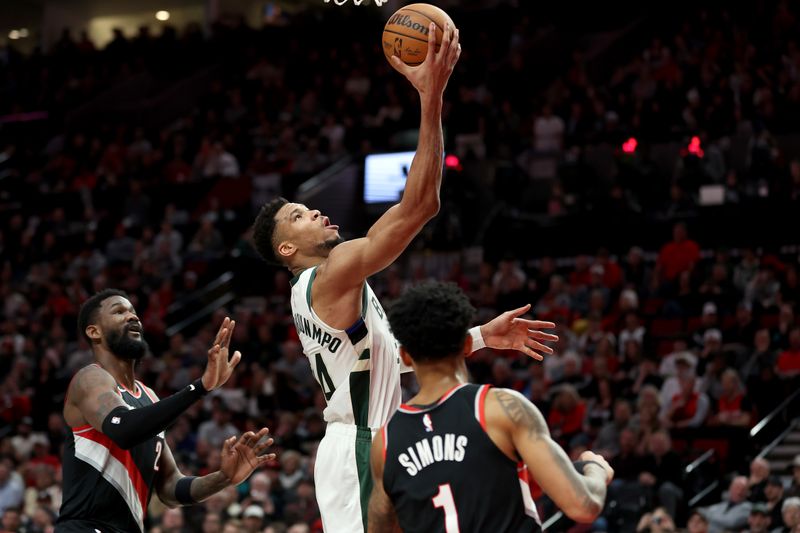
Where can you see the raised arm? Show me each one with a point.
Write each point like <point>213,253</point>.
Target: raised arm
<point>350,263</point>
<point>580,497</point>
<point>240,457</point>
<point>93,398</point>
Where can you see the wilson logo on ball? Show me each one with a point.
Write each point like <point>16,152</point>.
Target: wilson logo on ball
<point>405,20</point>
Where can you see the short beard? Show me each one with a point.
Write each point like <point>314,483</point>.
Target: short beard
<point>123,346</point>
<point>330,244</point>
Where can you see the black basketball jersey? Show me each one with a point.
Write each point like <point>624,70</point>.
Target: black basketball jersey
<point>444,474</point>
<point>106,488</point>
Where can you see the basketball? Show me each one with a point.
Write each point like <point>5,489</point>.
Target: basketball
<point>406,32</point>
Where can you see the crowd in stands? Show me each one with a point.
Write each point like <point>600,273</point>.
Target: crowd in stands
<point>652,342</point>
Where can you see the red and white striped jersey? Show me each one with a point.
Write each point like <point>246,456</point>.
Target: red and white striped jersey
<point>105,487</point>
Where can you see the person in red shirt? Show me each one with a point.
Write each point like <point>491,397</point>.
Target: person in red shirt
<point>567,414</point>
<point>733,408</point>
<point>789,360</point>
<point>688,408</point>
<point>677,256</point>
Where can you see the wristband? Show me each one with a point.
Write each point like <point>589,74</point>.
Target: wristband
<point>580,465</point>
<point>198,385</point>
<point>477,338</point>
<point>183,490</point>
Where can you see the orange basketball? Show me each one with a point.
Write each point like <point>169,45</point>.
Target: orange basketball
<point>406,32</point>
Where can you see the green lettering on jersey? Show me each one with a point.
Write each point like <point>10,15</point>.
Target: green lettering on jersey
<point>324,378</point>
<point>359,392</point>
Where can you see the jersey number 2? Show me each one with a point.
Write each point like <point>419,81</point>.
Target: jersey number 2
<point>159,449</point>
<point>445,500</point>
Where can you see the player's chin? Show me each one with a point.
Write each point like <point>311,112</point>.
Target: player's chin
<point>332,242</point>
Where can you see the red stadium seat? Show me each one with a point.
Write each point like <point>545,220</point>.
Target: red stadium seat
<point>666,327</point>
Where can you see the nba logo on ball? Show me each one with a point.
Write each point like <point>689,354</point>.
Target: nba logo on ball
<point>427,422</point>
<point>407,32</point>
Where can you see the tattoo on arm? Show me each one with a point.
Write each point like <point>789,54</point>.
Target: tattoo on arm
<point>522,414</point>
<point>95,395</point>
<point>206,486</point>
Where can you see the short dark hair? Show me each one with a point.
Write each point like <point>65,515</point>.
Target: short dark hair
<point>431,320</point>
<point>88,313</point>
<point>264,230</point>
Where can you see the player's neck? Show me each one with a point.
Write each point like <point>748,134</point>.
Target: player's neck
<point>305,263</point>
<point>122,370</point>
<point>435,379</point>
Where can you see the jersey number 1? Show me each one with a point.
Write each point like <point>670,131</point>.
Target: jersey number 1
<point>445,500</point>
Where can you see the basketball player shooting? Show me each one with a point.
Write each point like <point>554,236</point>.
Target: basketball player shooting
<point>118,453</point>
<point>454,459</point>
<point>341,324</point>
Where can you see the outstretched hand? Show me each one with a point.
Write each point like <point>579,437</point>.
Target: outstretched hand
<point>220,366</point>
<point>241,457</point>
<point>510,332</point>
<point>430,78</point>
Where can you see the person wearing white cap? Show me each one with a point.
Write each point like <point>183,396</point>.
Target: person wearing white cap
<point>709,320</point>
<point>253,518</point>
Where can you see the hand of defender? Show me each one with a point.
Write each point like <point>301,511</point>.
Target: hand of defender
<point>430,78</point>
<point>591,456</point>
<point>241,457</point>
<point>219,367</point>
<point>510,332</point>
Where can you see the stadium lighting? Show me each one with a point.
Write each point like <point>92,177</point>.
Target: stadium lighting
<point>452,161</point>
<point>13,35</point>
<point>694,147</point>
<point>629,146</point>
<point>162,15</point>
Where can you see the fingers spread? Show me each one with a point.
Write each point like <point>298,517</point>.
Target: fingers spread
<point>532,354</point>
<point>535,324</point>
<point>237,356</point>
<point>539,346</point>
<point>542,336</point>
<point>519,311</point>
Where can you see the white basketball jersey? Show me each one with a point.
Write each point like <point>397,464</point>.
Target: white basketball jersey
<point>358,368</point>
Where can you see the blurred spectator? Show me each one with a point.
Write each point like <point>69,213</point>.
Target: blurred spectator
<point>688,407</point>
<point>731,513</point>
<point>789,360</point>
<point>659,521</point>
<point>794,488</point>
<point>773,495</point>
<point>759,520</point>
<point>12,487</point>
<point>791,515</point>
<point>608,438</point>
<point>757,481</point>
<point>677,256</point>
<point>212,433</point>
<point>662,471</point>
<point>697,522</point>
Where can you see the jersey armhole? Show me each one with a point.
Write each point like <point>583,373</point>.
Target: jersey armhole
<point>385,431</point>
<point>480,405</point>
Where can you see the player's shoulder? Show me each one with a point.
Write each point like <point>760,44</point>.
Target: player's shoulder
<point>90,376</point>
<point>508,406</point>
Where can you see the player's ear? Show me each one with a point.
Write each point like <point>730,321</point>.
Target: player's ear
<point>467,345</point>
<point>286,249</point>
<point>93,332</point>
<point>405,357</point>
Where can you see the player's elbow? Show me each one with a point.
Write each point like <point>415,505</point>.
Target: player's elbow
<point>429,208</point>
<point>584,512</point>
